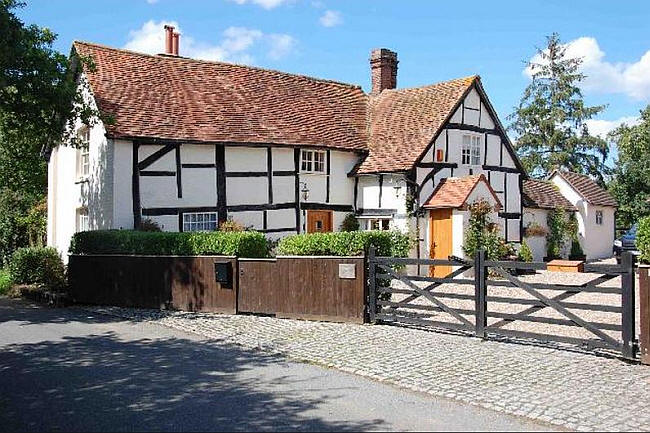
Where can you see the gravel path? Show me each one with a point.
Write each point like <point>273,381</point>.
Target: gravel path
<point>544,277</point>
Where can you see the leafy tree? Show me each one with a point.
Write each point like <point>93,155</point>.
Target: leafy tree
<point>41,97</point>
<point>550,119</point>
<point>631,182</point>
<point>483,233</point>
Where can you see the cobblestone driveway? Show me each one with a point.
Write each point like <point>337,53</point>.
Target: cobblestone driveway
<point>568,389</point>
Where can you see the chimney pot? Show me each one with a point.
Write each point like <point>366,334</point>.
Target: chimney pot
<point>383,67</point>
<point>169,36</point>
<point>175,42</point>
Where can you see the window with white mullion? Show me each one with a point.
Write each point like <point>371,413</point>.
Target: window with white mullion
<point>200,221</point>
<point>471,150</point>
<point>312,161</point>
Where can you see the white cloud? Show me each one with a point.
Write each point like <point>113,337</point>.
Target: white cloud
<point>266,4</point>
<point>601,128</point>
<point>280,45</point>
<point>235,45</point>
<point>331,18</point>
<point>632,79</point>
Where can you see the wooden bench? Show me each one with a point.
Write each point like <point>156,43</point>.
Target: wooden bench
<point>565,266</point>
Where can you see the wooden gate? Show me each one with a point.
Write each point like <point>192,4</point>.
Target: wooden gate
<point>438,302</point>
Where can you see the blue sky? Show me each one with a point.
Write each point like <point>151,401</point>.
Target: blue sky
<point>435,40</point>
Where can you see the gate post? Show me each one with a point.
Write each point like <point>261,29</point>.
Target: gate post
<point>644,307</point>
<point>627,304</point>
<point>480,292</point>
<point>372,286</point>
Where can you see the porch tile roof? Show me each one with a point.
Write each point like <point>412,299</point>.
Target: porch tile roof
<point>543,194</point>
<point>453,192</point>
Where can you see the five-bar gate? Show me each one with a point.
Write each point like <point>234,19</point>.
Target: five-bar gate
<point>460,300</point>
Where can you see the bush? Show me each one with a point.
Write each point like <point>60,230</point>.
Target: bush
<point>22,222</point>
<point>149,225</point>
<point>231,225</point>
<point>559,229</point>
<point>483,233</point>
<point>643,239</point>
<point>576,250</point>
<point>37,265</point>
<point>350,223</point>
<point>525,254</point>
<point>5,281</point>
<point>242,244</point>
<point>387,243</point>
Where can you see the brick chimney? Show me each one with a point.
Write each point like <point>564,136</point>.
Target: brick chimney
<point>383,66</point>
<point>169,38</point>
<point>175,41</point>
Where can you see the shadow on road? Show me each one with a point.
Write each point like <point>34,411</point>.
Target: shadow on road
<point>102,382</point>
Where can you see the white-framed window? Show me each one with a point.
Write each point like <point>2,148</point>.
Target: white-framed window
<point>599,217</point>
<point>471,152</point>
<point>378,224</point>
<point>200,221</point>
<point>83,154</point>
<point>82,219</point>
<point>312,161</point>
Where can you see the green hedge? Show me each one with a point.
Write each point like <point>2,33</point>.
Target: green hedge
<point>5,281</point>
<point>643,239</point>
<point>387,243</point>
<point>37,265</point>
<point>242,244</point>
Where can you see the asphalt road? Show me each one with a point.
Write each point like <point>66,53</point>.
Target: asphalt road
<point>65,369</point>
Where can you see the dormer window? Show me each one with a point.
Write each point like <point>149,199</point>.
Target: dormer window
<point>471,153</point>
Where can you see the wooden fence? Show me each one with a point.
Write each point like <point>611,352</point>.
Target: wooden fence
<point>424,300</point>
<point>318,288</point>
<point>163,282</point>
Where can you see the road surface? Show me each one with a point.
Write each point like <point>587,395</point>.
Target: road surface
<point>66,369</point>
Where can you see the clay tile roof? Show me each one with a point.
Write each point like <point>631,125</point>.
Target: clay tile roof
<point>543,194</point>
<point>403,122</point>
<point>192,100</point>
<point>588,189</point>
<point>453,192</point>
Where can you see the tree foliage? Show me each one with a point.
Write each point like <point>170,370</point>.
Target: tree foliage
<point>550,120</point>
<point>483,233</point>
<point>41,98</point>
<point>631,182</point>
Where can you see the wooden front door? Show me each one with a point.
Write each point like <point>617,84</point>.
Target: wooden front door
<point>440,237</point>
<point>319,221</point>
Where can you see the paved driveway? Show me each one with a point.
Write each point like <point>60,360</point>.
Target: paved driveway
<point>64,369</point>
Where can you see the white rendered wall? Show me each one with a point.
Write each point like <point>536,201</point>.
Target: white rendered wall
<point>596,240</point>
<point>68,192</point>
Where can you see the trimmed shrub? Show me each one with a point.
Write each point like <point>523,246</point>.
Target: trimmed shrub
<point>525,254</point>
<point>149,225</point>
<point>387,243</point>
<point>242,244</point>
<point>5,281</point>
<point>643,239</point>
<point>350,223</point>
<point>576,250</point>
<point>37,265</point>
